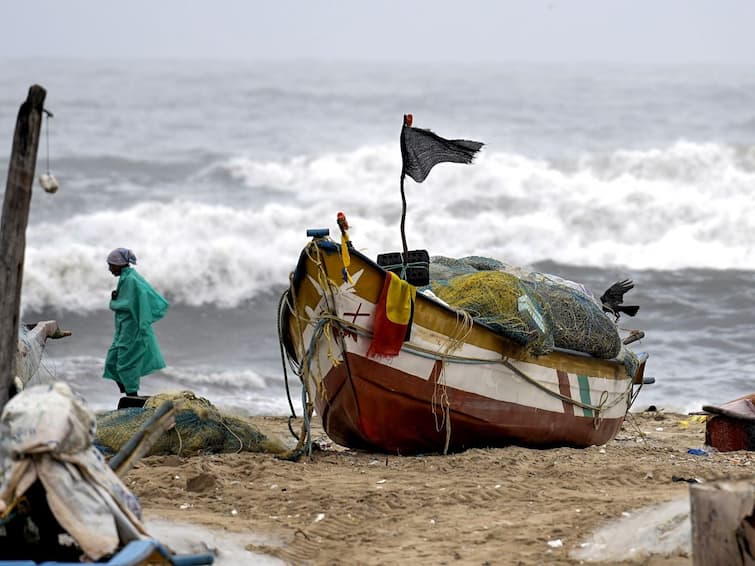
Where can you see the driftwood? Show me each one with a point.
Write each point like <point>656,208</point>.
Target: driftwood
<point>723,523</point>
<point>158,424</point>
<point>23,160</point>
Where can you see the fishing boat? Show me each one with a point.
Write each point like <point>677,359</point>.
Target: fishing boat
<point>454,384</point>
<point>392,369</point>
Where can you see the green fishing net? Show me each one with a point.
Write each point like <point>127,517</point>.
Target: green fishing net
<point>537,310</point>
<point>501,301</point>
<point>578,321</point>
<point>200,429</point>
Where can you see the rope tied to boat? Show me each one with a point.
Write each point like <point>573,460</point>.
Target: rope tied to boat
<point>401,269</point>
<point>582,405</point>
<point>323,325</point>
<point>598,415</point>
<point>456,340</point>
<point>304,438</point>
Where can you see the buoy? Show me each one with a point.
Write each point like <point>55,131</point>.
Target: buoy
<point>47,181</point>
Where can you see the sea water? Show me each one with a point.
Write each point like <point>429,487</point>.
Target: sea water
<point>211,172</point>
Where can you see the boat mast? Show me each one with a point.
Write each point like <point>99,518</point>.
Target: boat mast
<point>407,123</point>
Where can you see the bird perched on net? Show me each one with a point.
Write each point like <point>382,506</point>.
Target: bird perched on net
<point>612,300</point>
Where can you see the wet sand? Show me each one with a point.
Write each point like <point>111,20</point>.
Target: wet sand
<point>484,506</point>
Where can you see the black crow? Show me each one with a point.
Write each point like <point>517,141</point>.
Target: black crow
<point>614,296</point>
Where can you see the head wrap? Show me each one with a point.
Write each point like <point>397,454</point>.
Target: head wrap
<point>121,256</point>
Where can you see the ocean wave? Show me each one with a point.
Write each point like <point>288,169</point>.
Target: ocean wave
<point>688,205</point>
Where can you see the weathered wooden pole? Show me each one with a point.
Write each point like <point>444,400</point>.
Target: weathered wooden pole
<point>723,515</point>
<point>23,160</point>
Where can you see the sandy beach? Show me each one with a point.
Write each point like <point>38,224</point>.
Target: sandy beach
<point>484,506</point>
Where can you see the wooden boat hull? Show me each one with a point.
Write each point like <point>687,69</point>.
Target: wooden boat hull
<point>389,410</point>
<point>455,384</point>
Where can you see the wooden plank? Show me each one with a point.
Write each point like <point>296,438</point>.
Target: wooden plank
<point>722,523</point>
<point>23,160</point>
<point>163,419</point>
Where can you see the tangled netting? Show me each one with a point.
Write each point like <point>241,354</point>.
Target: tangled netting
<point>200,429</point>
<point>578,321</point>
<point>501,301</point>
<point>537,310</point>
<point>29,356</point>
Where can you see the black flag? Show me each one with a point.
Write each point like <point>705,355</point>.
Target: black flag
<point>421,150</point>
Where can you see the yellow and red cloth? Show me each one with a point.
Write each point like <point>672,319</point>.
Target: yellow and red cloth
<point>393,316</point>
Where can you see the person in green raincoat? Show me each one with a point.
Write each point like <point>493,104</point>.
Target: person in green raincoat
<point>135,351</point>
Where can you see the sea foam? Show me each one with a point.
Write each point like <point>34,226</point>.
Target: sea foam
<point>687,205</point>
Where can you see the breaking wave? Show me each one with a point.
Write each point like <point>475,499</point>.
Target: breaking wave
<point>688,205</point>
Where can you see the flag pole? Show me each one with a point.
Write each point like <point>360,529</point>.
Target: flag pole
<point>407,123</point>
<point>403,217</point>
<point>421,150</point>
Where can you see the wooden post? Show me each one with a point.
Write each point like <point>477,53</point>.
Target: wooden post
<point>23,160</point>
<point>723,515</point>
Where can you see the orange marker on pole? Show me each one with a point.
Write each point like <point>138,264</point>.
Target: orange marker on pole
<point>343,225</point>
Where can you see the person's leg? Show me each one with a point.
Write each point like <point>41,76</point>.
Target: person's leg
<point>120,387</point>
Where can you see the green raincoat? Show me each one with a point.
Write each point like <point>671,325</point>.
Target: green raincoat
<point>135,351</point>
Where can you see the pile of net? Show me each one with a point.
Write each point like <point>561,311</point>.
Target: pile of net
<point>502,302</point>
<point>536,310</point>
<point>200,429</point>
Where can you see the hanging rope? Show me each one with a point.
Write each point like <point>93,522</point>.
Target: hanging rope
<point>47,181</point>
<point>456,340</point>
<point>48,115</point>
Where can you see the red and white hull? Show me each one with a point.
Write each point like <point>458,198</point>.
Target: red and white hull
<point>454,385</point>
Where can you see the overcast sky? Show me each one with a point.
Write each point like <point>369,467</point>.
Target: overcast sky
<point>710,31</point>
